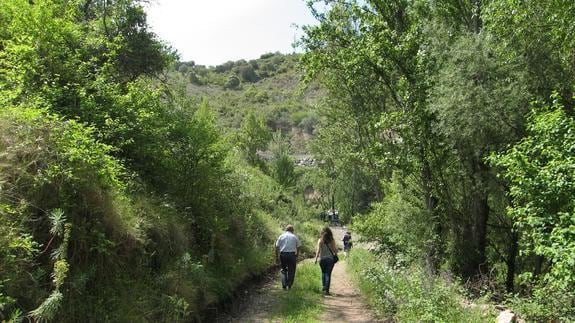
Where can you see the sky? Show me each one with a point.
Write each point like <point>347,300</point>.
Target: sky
<point>212,32</point>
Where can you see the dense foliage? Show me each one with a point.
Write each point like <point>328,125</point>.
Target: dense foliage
<point>540,170</point>
<point>422,93</point>
<point>121,200</point>
<point>408,294</point>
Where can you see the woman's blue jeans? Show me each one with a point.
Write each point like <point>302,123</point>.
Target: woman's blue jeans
<point>326,265</point>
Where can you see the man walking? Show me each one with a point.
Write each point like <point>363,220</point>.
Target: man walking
<point>287,247</point>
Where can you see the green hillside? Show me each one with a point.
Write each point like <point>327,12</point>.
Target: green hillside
<point>269,86</point>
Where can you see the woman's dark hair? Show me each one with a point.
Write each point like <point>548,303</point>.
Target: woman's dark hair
<point>326,235</point>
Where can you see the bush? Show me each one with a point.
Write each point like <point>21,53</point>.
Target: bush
<point>232,83</point>
<point>397,224</point>
<point>49,163</point>
<point>546,304</point>
<point>247,73</point>
<point>407,294</point>
<point>539,170</point>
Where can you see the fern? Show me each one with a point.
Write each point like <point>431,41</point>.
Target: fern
<point>48,309</point>
<point>58,220</point>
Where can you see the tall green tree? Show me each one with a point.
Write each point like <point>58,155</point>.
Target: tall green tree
<point>426,93</point>
<point>541,32</point>
<point>479,103</point>
<point>368,55</point>
<point>253,136</point>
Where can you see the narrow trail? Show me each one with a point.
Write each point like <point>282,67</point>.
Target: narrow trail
<point>345,304</point>
<point>257,303</point>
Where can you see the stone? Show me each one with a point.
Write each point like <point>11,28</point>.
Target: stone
<point>506,317</point>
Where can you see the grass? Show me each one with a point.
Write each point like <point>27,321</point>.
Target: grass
<point>303,303</point>
<point>408,294</point>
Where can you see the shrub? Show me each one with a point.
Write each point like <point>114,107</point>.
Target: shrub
<point>397,224</point>
<point>546,304</point>
<point>407,294</point>
<point>232,83</point>
<point>47,163</point>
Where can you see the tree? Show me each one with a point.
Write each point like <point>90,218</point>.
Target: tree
<point>479,103</point>
<point>368,55</point>
<point>253,136</point>
<point>415,100</point>
<point>541,179</point>
<point>283,168</point>
<point>541,33</point>
<point>247,73</point>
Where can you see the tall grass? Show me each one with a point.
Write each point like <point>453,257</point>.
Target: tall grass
<point>408,294</point>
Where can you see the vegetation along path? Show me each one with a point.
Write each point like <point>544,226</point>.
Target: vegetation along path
<point>267,302</point>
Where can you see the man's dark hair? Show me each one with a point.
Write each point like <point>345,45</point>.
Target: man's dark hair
<point>289,228</point>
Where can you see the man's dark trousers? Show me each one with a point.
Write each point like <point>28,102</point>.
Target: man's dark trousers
<point>288,262</point>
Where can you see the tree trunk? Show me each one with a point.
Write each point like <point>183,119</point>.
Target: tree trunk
<point>333,201</point>
<point>471,238</point>
<point>432,254</point>
<point>511,257</point>
<point>353,189</point>
<point>476,18</point>
<point>481,232</point>
<point>538,265</point>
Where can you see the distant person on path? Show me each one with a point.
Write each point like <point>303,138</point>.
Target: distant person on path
<point>326,251</point>
<point>287,249</point>
<point>347,244</point>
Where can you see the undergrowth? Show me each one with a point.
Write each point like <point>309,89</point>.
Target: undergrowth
<point>408,294</point>
<point>81,238</point>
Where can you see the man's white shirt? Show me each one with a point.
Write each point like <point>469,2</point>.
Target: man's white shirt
<point>288,242</point>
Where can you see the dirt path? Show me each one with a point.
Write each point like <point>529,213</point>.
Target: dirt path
<point>256,304</point>
<point>345,304</point>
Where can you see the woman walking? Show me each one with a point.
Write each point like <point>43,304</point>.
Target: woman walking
<point>327,254</point>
